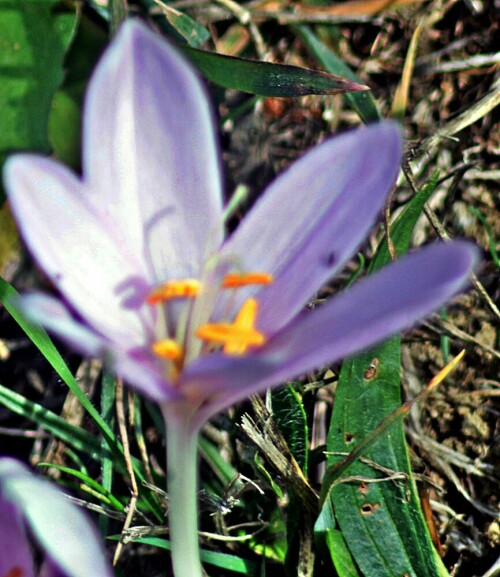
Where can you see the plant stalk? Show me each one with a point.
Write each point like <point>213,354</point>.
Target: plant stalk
<point>182,487</point>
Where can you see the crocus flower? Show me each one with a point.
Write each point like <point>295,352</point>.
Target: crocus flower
<point>29,505</point>
<point>192,319</point>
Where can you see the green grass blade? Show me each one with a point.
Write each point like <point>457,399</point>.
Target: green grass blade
<point>108,414</point>
<point>291,418</point>
<point>75,437</point>
<point>489,232</point>
<point>42,341</point>
<point>362,102</point>
<point>106,496</point>
<point>221,560</point>
<point>193,33</point>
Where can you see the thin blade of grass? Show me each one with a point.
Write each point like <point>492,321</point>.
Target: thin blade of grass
<point>42,341</point>
<point>105,496</point>
<point>75,437</point>
<point>362,102</point>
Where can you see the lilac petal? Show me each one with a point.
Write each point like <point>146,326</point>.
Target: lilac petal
<point>142,371</point>
<point>313,217</point>
<point>77,247</point>
<point>150,152</point>
<point>49,569</point>
<point>374,309</point>
<point>145,373</point>
<point>14,547</point>
<point>62,530</point>
<point>55,317</point>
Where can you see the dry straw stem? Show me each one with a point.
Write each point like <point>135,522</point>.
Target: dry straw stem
<point>441,327</point>
<point>266,435</point>
<point>477,61</point>
<point>245,18</point>
<point>474,113</point>
<point>350,11</point>
<point>120,412</point>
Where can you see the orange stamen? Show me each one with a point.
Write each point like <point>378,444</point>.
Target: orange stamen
<point>238,336</point>
<point>174,289</point>
<point>168,349</point>
<point>236,280</point>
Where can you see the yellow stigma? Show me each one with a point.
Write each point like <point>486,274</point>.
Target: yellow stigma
<point>236,280</point>
<point>174,289</point>
<point>238,336</point>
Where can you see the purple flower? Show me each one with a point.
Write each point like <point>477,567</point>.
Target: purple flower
<point>194,320</point>
<point>69,544</point>
<point>148,210</point>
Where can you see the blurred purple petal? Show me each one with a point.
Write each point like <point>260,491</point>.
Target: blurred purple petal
<point>49,569</point>
<point>150,153</point>
<point>377,307</point>
<point>14,547</point>
<point>54,316</point>
<point>61,529</point>
<point>314,216</point>
<point>80,250</point>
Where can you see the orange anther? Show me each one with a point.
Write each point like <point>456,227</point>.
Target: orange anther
<point>236,280</point>
<point>238,336</point>
<point>168,349</point>
<point>174,289</point>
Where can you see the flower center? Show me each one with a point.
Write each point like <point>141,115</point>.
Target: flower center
<point>235,337</point>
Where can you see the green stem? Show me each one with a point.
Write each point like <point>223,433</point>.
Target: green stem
<point>182,486</point>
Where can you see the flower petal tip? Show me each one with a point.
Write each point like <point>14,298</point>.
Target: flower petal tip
<point>463,256</point>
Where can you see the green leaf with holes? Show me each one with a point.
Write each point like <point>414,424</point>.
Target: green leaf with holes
<point>375,499</point>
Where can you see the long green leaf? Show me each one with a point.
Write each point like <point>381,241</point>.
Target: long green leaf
<point>378,510</point>
<point>265,78</point>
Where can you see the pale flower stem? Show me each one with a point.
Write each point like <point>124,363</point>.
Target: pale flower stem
<point>182,488</point>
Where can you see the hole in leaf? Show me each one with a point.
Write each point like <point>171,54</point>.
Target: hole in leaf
<point>363,487</point>
<point>369,508</point>
<point>372,370</point>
